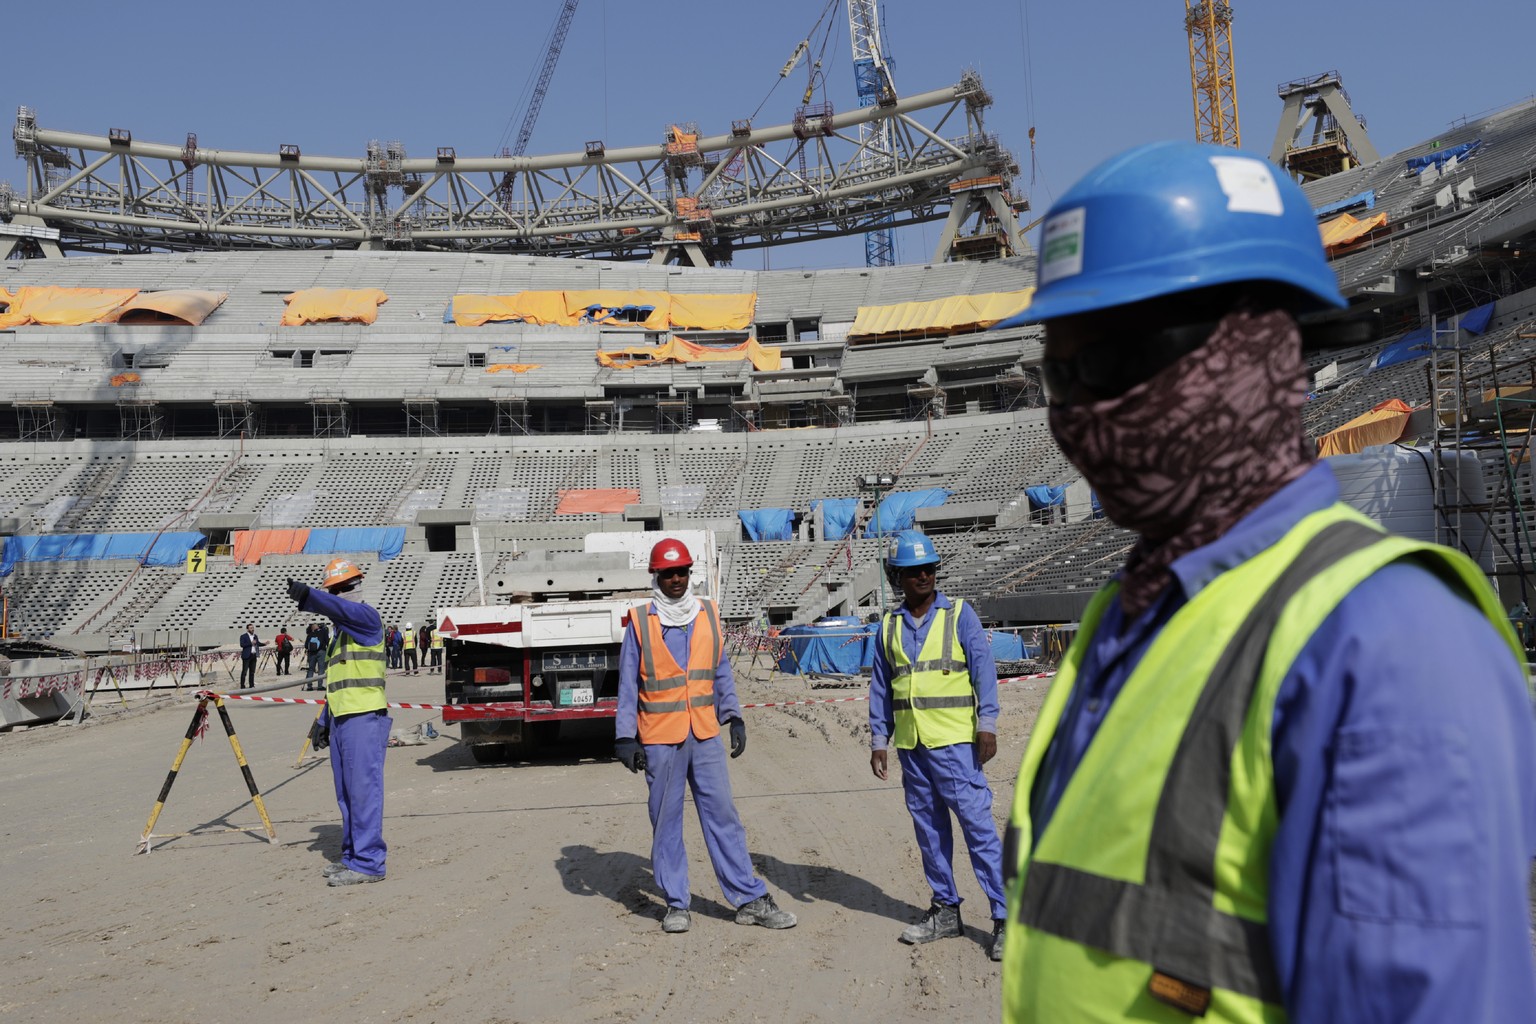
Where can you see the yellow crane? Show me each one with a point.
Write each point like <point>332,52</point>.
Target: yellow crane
<point>1212,74</point>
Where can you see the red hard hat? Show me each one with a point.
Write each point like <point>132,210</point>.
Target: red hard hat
<point>670,554</point>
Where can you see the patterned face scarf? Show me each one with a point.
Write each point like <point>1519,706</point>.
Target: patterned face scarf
<point>1181,457</point>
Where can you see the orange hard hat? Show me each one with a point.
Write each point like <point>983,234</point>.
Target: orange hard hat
<point>339,571</point>
<point>670,554</point>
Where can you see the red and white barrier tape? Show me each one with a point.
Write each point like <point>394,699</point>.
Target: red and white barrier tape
<point>512,705</point>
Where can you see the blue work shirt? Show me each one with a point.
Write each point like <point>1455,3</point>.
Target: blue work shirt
<point>1405,774</point>
<point>677,639</point>
<point>979,662</point>
<point>361,620</point>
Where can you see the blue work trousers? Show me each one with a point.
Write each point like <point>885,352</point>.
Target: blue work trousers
<point>358,745</point>
<point>699,765</point>
<point>939,781</point>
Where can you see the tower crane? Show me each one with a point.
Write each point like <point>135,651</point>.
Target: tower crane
<point>547,72</point>
<point>536,100</point>
<point>1212,73</point>
<point>872,76</point>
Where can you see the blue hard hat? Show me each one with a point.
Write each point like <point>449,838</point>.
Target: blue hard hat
<point>910,547</point>
<point>1172,217</point>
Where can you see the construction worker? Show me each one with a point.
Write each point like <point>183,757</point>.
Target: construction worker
<point>357,716</point>
<point>676,690</point>
<point>408,643</point>
<point>437,649</point>
<point>933,692</point>
<point>1288,766</point>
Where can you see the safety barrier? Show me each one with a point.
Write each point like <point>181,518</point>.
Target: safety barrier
<point>535,709</point>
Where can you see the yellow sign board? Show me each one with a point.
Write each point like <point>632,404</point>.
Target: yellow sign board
<point>197,560</point>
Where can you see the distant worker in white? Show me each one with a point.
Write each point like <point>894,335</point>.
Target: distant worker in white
<point>357,716</point>
<point>933,694</point>
<point>675,691</point>
<point>1287,769</point>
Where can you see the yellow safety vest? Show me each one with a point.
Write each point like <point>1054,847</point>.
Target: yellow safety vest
<point>354,676</point>
<point>437,641</point>
<point>933,699</point>
<point>1146,897</point>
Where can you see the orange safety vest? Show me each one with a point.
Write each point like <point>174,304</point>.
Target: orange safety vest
<point>672,700</point>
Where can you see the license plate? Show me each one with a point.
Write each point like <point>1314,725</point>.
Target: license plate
<point>582,695</point>
<point>574,659</point>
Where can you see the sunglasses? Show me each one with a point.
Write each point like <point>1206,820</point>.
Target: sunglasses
<point>667,574</point>
<point>1108,369</point>
<point>919,570</point>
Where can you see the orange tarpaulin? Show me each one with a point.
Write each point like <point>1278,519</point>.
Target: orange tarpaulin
<point>953,314</point>
<point>538,308</point>
<point>732,312</point>
<point>1382,425</point>
<point>182,306</point>
<point>621,308</point>
<point>313,305</point>
<point>512,367</point>
<point>610,499</point>
<point>251,545</point>
<point>645,310</point>
<point>119,379</point>
<point>1344,229</point>
<point>676,350</point>
<point>63,307</point>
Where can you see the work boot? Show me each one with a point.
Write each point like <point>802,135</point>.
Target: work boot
<point>677,920</point>
<point>765,912</point>
<point>346,876</point>
<point>999,932</point>
<point>333,867</point>
<point>941,921</point>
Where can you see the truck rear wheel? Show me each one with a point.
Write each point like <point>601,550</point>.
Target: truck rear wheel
<point>491,753</point>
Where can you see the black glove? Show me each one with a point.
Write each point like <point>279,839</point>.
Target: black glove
<point>320,733</point>
<point>630,753</point>
<point>297,591</point>
<point>738,737</point>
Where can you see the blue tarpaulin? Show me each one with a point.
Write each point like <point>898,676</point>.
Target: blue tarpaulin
<point>1046,496</point>
<point>843,649</point>
<point>1366,199</point>
<point>840,646</point>
<point>1475,321</point>
<point>836,516</point>
<point>1413,345</point>
<point>895,512</point>
<point>386,540</point>
<point>768,523</point>
<point>1440,156</point>
<point>168,549</point>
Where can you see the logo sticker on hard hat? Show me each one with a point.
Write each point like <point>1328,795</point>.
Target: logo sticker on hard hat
<point>1248,184</point>
<point>1061,250</point>
<point>670,554</point>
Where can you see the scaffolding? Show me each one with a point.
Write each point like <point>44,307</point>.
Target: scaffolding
<point>330,415</point>
<point>139,419</point>
<point>511,416</point>
<point>421,415</point>
<point>39,419</point>
<point>236,414</point>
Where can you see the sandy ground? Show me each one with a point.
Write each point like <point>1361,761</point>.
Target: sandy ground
<point>515,893</point>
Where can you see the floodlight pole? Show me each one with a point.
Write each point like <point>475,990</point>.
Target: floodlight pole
<point>878,484</point>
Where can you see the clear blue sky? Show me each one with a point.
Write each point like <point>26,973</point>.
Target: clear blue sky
<point>1090,77</point>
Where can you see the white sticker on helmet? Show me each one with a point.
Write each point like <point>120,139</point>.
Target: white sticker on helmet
<point>1249,185</point>
<point>1061,249</point>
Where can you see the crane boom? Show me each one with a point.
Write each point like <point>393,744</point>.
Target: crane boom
<point>872,76</point>
<point>1212,73</point>
<point>547,72</point>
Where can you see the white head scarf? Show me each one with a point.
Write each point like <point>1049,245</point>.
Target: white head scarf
<point>675,611</point>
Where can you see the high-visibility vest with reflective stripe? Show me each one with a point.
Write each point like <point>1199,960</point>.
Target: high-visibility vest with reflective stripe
<point>933,699</point>
<point>1148,888</point>
<point>437,641</point>
<point>673,699</point>
<point>354,675</point>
